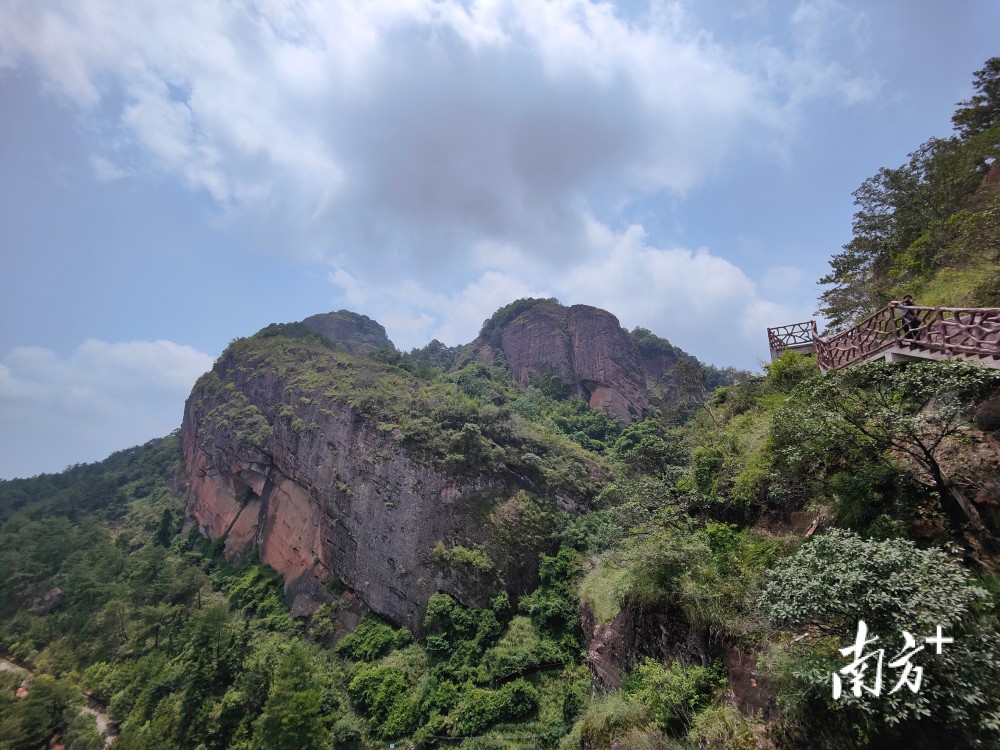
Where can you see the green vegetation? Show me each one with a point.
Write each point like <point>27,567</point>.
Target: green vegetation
<point>715,556</point>
<point>472,420</point>
<point>186,650</point>
<point>490,331</point>
<point>930,227</point>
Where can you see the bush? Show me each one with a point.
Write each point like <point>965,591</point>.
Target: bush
<point>790,369</point>
<point>838,578</point>
<point>609,718</point>
<point>521,648</point>
<point>672,694</point>
<point>371,639</point>
<point>478,707</point>
<point>721,728</point>
<point>381,693</point>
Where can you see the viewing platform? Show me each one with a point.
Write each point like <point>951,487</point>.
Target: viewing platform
<point>899,333</point>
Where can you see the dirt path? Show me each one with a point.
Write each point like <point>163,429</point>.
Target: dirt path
<point>105,727</point>
<point>9,666</point>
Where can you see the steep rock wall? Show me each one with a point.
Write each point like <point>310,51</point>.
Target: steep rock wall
<point>584,347</point>
<point>323,493</point>
<point>615,647</point>
<point>357,333</point>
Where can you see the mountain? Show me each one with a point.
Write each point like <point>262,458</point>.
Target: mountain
<point>580,351</point>
<point>346,471</point>
<point>543,569</point>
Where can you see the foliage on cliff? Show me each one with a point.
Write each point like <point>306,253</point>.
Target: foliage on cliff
<point>930,227</point>
<point>473,420</point>
<point>701,525</point>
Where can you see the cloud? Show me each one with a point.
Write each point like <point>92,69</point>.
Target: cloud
<point>100,398</point>
<point>698,300</point>
<point>440,158</point>
<point>412,316</point>
<point>407,132</point>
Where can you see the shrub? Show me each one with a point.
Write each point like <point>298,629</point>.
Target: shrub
<point>721,728</point>
<point>790,369</point>
<point>477,708</point>
<point>371,639</point>
<point>672,694</point>
<point>837,578</point>
<point>610,718</point>
<point>521,648</point>
<point>461,558</point>
<point>381,693</point>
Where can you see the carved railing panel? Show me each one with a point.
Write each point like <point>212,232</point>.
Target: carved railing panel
<point>795,334</point>
<point>952,331</point>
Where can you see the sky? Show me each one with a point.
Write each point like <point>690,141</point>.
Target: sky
<point>177,174</point>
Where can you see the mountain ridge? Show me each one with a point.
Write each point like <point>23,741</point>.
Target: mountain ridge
<point>283,456</point>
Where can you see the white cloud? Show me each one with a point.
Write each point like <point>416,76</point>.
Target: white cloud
<point>412,315</point>
<point>106,170</point>
<point>699,301</point>
<point>406,132</point>
<point>101,397</point>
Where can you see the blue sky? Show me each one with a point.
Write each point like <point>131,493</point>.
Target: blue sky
<point>179,173</point>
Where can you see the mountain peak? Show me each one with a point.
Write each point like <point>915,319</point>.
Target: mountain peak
<point>357,333</point>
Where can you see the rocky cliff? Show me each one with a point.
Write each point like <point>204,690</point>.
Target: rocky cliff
<point>291,449</point>
<point>358,334</point>
<point>348,472</point>
<point>333,505</point>
<point>581,347</point>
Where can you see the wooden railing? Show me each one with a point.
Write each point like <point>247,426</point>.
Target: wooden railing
<point>794,334</point>
<point>950,331</point>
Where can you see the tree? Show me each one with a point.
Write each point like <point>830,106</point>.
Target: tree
<point>897,235</point>
<point>45,711</point>
<point>982,111</point>
<point>903,229</point>
<point>292,718</point>
<point>882,409</point>
<point>838,578</point>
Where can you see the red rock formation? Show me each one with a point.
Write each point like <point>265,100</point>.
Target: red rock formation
<point>584,347</point>
<point>339,498</point>
<point>606,362</point>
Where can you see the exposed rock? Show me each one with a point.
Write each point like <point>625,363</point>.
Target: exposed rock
<point>583,347</point>
<point>749,688</point>
<point>324,494</point>
<point>49,601</point>
<point>971,461</point>
<point>988,415</point>
<point>358,334</point>
<point>616,646</point>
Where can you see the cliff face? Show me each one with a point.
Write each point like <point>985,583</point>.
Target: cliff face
<point>281,464</point>
<point>343,473</point>
<point>582,346</point>
<point>615,647</point>
<point>358,334</point>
